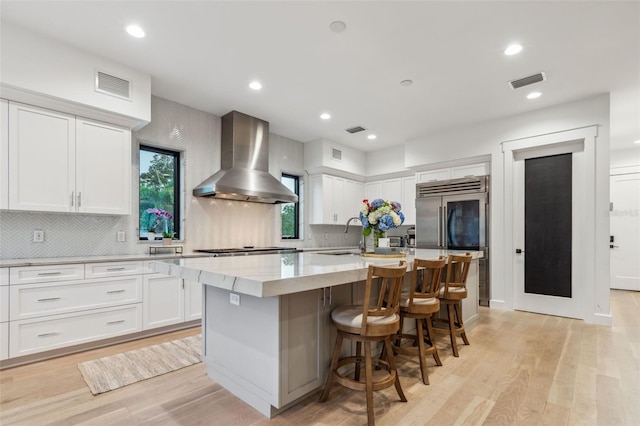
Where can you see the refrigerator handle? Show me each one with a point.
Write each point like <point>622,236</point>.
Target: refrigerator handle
<point>443,226</point>
<point>439,226</point>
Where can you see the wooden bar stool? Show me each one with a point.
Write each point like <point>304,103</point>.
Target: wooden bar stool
<point>375,320</point>
<point>451,295</point>
<point>419,303</point>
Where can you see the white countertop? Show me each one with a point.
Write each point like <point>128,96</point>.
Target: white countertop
<point>277,274</point>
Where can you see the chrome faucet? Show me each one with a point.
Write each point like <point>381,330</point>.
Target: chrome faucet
<point>362,245</point>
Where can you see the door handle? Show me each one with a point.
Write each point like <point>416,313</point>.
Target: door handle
<point>612,246</point>
<point>519,251</point>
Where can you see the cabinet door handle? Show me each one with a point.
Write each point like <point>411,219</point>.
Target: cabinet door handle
<point>115,291</point>
<point>79,199</point>
<point>54,333</point>
<point>73,198</point>
<point>122,268</point>
<point>46,274</point>
<point>115,322</point>
<point>330,295</point>
<point>324,290</point>
<point>49,299</point>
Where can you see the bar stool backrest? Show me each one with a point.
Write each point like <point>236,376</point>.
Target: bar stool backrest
<point>457,271</point>
<point>425,281</point>
<point>387,304</point>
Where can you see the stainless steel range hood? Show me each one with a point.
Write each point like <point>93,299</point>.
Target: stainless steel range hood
<point>244,173</point>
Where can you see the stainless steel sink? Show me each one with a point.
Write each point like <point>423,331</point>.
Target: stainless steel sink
<point>340,253</point>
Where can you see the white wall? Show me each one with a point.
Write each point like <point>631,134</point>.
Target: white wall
<point>318,159</point>
<point>625,157</point>
<point>385,162</point>
<point>55,71</point>
<point>486,138</point>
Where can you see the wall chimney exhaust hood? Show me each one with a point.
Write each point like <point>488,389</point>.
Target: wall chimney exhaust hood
<point>244,173</point>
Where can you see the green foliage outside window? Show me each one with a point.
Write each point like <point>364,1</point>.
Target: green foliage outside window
<point>289,212</point>
<point>158,182</point>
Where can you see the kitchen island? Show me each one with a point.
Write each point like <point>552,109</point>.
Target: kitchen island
<point>266,323</point>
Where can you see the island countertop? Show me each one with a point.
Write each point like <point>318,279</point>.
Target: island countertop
<point>286,273</point>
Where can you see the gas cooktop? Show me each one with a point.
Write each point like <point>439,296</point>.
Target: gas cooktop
<point>248,250</point>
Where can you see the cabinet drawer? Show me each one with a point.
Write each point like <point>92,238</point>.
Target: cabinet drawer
<point>41,334</point>
<point>470,170</point>
<point>36,300</point>
<point>4,276</point>
<point>4,303</point>
<point>4,340</point>
<point>112,269</point>
<point>43,274</point>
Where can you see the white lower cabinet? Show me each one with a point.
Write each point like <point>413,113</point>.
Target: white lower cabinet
<point>192,300</point>
<point>35,300</point>
<point>53,306</point>
<point>163,300</point>
<point>57,331</point>
<point>4,313</point>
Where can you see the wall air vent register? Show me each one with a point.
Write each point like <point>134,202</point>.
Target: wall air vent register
<point>112,85</point>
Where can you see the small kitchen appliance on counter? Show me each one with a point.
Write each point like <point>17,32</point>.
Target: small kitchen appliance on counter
<point>410,238</point>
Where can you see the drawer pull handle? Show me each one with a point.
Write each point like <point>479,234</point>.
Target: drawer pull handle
<point>44,274</point>
<point>48,334</point>
<point>49,299</point>
<point>115,291</point>
<point>115,322</point>
<point>122,268</point>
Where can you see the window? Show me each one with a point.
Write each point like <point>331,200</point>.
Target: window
<point>159,208</point>
<point>290,211</point>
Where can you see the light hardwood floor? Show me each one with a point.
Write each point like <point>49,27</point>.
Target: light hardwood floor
<point>521,369</point>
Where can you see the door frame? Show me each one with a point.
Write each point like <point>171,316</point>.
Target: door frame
<point>594,272</point>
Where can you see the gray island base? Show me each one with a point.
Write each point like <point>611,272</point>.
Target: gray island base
<point>266,323</point>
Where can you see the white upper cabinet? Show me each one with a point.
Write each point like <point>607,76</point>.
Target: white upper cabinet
<point>333,199</point>
<point>434,175</point>
<point>103,168</point>
<point>373,190</point>
<point>409,200</point>
<point>41,159</point>
<point>455,172</point>
<point>4,154</point>
<point>470,170</point>
<point>58,163</point>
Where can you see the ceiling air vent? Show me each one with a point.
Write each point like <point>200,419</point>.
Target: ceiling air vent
<point>356,129</point>
<point>112,85</point>
<point>336,154</point>
<point>525,81</point>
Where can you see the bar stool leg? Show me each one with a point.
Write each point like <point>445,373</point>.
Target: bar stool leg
<point>392,366</point>
<point>458,309</point>
<point>421,349</point>
<point>368,366</point>
<point>334,364</point>
<point>432,341</point>
<point>356,374</point>
<point>452,328</point>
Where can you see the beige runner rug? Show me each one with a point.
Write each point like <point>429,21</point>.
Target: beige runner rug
<point>115,371</point>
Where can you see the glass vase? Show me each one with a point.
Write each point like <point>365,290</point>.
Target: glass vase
<point>376,237</point>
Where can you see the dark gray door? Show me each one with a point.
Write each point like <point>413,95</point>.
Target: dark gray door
<point>548,225</point>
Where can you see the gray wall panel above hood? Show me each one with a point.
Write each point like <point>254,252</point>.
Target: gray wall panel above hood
<point>244,175</point>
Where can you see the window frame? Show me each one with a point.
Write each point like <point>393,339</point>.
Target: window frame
<point>176,186</point>
<point>296,208</point>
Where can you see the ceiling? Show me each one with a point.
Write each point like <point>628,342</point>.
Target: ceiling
<point>205,53</point>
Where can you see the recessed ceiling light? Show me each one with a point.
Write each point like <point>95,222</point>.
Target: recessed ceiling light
<point>337,26</point>
<point>325,116</point>
<point>255,85</point>
<point>135,31</point>
<point>534,95</point>
<point>406,82</point>
<point>513,49</point>
<point>372,137</point>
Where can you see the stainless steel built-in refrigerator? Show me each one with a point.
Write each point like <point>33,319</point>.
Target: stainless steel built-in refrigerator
<point>454,214</point>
